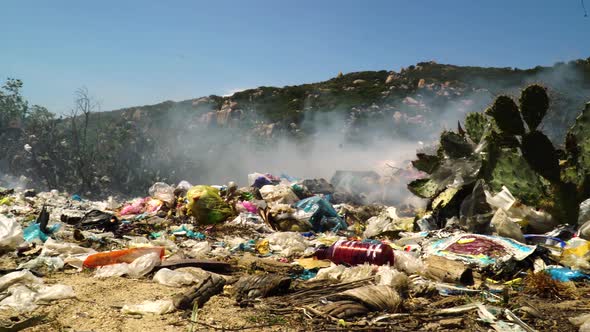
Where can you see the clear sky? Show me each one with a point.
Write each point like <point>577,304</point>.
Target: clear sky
<point>130,53</point>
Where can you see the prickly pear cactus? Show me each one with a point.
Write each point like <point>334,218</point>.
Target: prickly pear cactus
<point>455,145</point>
<point>581,132</point>
<point>426,163</point>
<point>534,103</point>
<point>510,169</point>
<point>507,115</point>
<point>424,188</point>
<point>539,152</point>
<point>475,125</point>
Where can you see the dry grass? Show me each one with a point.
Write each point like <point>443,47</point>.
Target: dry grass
<point>542,285</point>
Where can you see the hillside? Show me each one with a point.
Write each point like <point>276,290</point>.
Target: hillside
<point>414,103</point>
<point>350,122</point>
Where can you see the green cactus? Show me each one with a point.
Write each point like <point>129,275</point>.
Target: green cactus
<point>510,169</point>
<point>424,188</point>
<point>526,163</point>
<point>454,145</point>
<point>540,154</point>
<point>507,116</point>
<point>534,103</point>
<point>580,131</point>
<point>475,125</point>
<point>426,163</point>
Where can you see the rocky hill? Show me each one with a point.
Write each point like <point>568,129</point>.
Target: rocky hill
<point>414,103</point>
<point>350,122</point>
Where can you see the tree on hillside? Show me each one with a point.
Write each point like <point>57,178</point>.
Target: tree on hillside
<point>83,148</point>
<point>13,107</point>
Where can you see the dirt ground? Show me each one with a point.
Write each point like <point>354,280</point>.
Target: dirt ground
<point>99,302</point>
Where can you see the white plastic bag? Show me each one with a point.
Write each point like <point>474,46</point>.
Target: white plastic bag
<point>52,263</point>
<point>11,234</point>
<point>163,192</point>
<point>199,249</point>
<point>63,249</point>
<point>279,194</point>
<point>287,243</point>
<point>138,268</point>
<point>158,307</point>
<point>172,278</point>
<point>342,273</point>
<point>25,291</point>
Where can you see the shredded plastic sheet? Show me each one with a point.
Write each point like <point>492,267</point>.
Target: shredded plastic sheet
<point>180,277</point>
<point>11,234</point>
<point>342,273</point>
<point>287,243</point>
<point>387,220</point>
<point>482,250</point>
<point>162,192</point>
<point>25,291</point>
<point>138,268</point>
<point>279,194</point>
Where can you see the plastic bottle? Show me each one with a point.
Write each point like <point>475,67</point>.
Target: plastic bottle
<point>356,252</point>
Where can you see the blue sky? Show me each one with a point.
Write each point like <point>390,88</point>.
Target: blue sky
<point>130,53</point>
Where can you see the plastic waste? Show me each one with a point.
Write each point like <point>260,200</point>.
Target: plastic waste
<point>259,180</point>
<point>502,200</point>
<point>197,249</point>
<point>207,206</point>
<point>387,221</point>
<point>564,274</point>
<point>180,277</point>
<point>158,307</point>
<point>355,253</point>
<point>426,223</point>
<point>162,192</point>
<point>52,263</point>
<point>187,230</point>
<point>407,262</point>
<point>505,227</point>
<point>279,194</point>
<point>575,254</point>
<point>23,291</point>
<point>584,214</point>
<point>135,207</point>
<point>341,273</point>
<point>388,276</point>
<point>475,212</point>
<point>33,232</point>
<point>138,268</point>
<point>52,247</point>
<point>322,215</point>
<point>584,231</point>
<point>246,206</point>
<point>11,234</point>
<point>253,221</point>
<point>479,249</point>
<point>287,243</point>
<point>94,219</point>
<point>120,256</point>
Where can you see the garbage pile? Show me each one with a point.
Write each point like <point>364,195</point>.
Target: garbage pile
<point>504,241</point>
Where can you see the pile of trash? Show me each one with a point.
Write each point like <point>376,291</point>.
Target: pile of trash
<point>496,235</point>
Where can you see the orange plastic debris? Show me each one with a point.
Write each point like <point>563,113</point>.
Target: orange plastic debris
<point>120,256</point>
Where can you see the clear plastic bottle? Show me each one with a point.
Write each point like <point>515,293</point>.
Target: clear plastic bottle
<point>356,253</point>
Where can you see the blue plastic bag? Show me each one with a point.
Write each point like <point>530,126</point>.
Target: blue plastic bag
<point>34,232</point>
<point>323,216</point>
<point>564,274</point>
